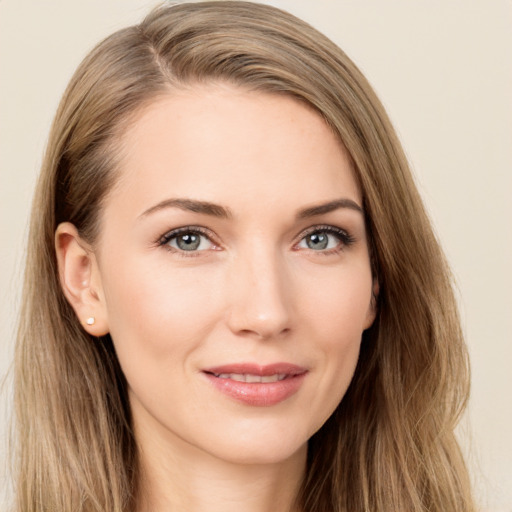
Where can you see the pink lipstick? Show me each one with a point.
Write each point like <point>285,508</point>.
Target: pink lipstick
<point>257,385</point>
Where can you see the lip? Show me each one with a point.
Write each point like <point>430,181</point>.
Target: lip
<point>260,394</point>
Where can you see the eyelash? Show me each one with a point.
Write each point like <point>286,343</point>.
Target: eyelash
<point>346,240</point>
<point>164,240</point>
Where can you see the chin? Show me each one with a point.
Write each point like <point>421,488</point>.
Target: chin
<point>252,456</point>
<point>263,446</point>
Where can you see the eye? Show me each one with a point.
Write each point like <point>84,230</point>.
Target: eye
<point>325,239</point>
<point>187,240</point>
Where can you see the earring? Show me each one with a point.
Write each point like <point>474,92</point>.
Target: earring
<point>90,321</point>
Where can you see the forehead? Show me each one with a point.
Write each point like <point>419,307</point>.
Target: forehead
<point>217,142</point>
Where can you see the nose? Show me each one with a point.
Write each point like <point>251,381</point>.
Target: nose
<point>260,296</point>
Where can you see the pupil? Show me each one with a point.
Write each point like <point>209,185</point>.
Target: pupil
<point>188,242</point>
<point>318,241</point>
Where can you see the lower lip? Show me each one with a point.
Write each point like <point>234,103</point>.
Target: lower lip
<point>261,394</point>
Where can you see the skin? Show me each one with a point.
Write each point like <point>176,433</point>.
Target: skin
<point>255,290</point>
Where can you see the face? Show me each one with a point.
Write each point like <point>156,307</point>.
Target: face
<point>234,270</point>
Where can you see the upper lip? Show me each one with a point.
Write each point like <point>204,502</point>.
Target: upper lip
<point>257,369</point>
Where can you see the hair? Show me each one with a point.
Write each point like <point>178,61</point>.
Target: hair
<point>390,443</point>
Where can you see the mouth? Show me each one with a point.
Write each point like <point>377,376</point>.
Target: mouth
<point>257,385</point>
<point>247,377</point>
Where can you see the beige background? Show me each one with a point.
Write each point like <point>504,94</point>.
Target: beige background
<point>443,68</point>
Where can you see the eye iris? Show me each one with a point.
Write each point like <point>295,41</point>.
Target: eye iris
<point>317,241</point>
<point>188,242</point>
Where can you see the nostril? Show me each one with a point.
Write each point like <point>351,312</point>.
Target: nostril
<point>263,331</point>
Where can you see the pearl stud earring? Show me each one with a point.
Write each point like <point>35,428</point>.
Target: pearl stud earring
<point>90,321</point>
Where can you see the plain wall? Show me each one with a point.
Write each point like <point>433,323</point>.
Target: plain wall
<point>443,69</point>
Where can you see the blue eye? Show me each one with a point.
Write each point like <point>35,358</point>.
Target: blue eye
<point>187,240</point>
<point>325,239</point>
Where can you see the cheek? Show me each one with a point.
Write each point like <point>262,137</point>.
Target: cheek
<point>156,313</point>
<point>338,303</point>
<point>337,318</point>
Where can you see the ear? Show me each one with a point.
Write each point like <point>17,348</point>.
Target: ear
<point>373,308</point>
<point>80,279</point>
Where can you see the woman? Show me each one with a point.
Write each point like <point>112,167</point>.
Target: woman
<point>233,295</point>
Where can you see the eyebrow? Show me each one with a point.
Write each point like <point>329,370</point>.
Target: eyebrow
<point>191,205</point>
<point>215,210</point>
<point>331,206</point>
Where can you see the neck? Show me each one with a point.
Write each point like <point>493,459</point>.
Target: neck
<point>178,477</point>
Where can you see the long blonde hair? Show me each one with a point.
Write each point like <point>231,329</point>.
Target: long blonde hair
<point>390,444</point>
